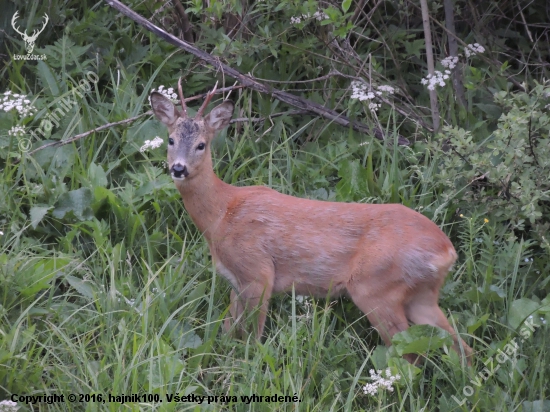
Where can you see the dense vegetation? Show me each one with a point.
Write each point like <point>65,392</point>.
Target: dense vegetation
<point>106,286</point>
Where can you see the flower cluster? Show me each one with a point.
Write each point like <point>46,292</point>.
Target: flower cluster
<point>450,62</point>
<point>361,90</point>
<point>169,93</point>
<point>151,144</point>
<point>437,79</point>
<point>319,15</point>
<point>18,102</point>
<point>379,382</point>
<point>8,406</point>
<point>17,131</point>
<point>473,49</point>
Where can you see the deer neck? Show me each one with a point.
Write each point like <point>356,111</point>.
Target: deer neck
<point>205,198</point>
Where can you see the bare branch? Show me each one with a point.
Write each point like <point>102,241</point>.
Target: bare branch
<point>250,81</point>
<point>81,135</point>
<point>185,24</point>
<point>132,119</point>
<point>453,51</point>
<point>430,61</point>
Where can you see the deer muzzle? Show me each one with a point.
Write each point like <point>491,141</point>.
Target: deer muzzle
<point>179,171</point>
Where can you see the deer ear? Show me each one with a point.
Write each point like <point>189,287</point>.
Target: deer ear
<point>164,109</point>
<point>220,116</point>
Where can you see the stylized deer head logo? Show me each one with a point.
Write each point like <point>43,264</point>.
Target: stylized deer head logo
<point>29,40</point>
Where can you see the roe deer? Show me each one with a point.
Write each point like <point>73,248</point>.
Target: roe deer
<point>390,260</point>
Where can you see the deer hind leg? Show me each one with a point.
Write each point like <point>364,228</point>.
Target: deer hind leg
<point>423,309</point>
<point>385,311</point>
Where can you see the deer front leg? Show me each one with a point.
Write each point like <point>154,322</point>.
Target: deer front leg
<point>253,299</point>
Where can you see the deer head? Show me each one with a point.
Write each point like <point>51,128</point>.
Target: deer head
<point>190,138</point>
<point>29,40</point>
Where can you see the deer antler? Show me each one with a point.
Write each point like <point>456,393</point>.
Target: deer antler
<point>35,33</point>
<point>183,105</point>
<point>206,101</point>
<point>13,20</point>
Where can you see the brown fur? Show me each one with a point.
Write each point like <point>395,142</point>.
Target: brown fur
<point>389,259</point>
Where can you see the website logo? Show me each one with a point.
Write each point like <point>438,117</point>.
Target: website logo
<point>29,40</point>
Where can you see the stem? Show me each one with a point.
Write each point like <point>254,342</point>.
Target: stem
<point>430,61</point>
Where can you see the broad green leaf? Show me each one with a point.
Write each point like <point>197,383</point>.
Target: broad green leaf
<point>84,288</point>
<point>478,322</point>
<point>536,406</point>
<point>421,339</point>
<point>345,5</point>
<point>76,201</point>
<point>520,310</point>
<point>353,183</point>
<point>47,77</point>
<point>97,175</point>
<point>37,214</point>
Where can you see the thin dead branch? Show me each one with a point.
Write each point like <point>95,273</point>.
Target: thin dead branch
<point>453,51</point>
<point>430,62</point>
<point>251,82</point>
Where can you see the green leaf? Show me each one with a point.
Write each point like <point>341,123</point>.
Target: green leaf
<point>47,77</point>
<point>76,201</point>
<point>492,110</point>
<point>421,339</point>
<point>520,310</point>
<point>36,277</point>
<point>345,5</point>
<point>493,294</point>
<point>37,214</point>
<point>353,183</point>
<point>478,322</point>
<point>536,406</point>
<point>415,47</point>
<point>97,175</point>
<point>81,286</point>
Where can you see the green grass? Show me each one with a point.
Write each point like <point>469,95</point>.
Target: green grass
<point>106,286</point>
<point>131,304</point>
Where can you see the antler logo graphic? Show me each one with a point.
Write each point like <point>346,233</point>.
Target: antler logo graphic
<point>29,40</point>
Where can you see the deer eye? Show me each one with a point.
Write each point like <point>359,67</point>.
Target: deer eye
<point>171,141</point>
<point>201,146</point>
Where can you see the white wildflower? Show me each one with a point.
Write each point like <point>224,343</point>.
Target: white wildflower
<point>1,234</point>
<point>384,88</point>
<point>169,93</point>
<point>380,382</point>
<point>151,144</point>
<point>19,102</point>
<point>437,79</point>
<point>473,49</point>
<point>373,107</point>
<point>318,15</point>
<point>16,131</point>
<point>361,90</point>
<point>8,406</point>
<point>450,62</point>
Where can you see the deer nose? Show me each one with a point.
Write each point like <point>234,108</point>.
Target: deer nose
<point>179,170</point>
